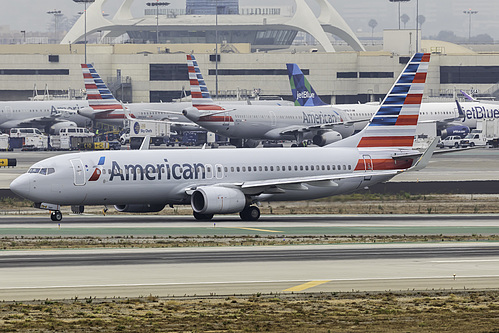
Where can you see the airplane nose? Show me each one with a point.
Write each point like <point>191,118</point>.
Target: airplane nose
<point>20,186</point>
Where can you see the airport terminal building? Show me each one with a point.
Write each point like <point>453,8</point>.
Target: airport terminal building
<point>151,72</point>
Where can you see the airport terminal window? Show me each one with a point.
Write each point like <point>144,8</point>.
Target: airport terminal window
<point>469,74</point>
<point>34,71</point>
<point>375,75</point>
<point>246,72</point>
<point>165,96</point>
<point>168,72</point>
<point>346,75</point>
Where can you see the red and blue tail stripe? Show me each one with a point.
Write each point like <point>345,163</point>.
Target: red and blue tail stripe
<point>394,124</point>
<point>201,98</point>
<point>98,94</point>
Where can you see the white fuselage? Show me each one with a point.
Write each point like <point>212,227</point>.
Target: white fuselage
<point>165,176</point>
<point>438,112</point>
<point>273,122</point>
<point>41,113</point>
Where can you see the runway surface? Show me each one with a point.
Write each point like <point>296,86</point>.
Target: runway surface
<point>28,275</point>
<point>152,225</point>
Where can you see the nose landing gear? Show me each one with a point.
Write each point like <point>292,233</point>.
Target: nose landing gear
<point>56,215</point>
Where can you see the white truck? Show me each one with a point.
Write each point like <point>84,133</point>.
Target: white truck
<point>28,139</point>
<point>70,137</point>
<point>486,133</point>
<point>158,131</point>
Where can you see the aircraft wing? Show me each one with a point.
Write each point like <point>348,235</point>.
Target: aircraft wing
<point>32,122</point>
<point>300,183</point>
<point>299,129</point>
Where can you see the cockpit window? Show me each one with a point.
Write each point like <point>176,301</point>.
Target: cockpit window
<point>42,171</point>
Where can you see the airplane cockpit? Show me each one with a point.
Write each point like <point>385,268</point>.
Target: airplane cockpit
<point>42,171</point>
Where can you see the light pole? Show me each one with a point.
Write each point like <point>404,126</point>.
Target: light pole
<point>216,49</point>
<point>24,36</point>
<point>85,13</point>
<point>417,27</point>
<point>57,14</point>
<point>469,12</point>
<point>157,4</point>
<point>399,1</point>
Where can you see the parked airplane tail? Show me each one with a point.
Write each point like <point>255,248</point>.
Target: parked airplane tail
<point>303,93</point>
<point>201,98</point>
<point>99,96</point>
<point>394,124</point>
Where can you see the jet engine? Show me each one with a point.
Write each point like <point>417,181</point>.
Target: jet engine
<point>326,138</point>
<point>54,129</point>
<point>217,200</point>
<point>139,208</point>
<point>460,130</point>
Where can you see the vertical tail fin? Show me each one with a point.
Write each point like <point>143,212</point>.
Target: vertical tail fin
<point>303,93</point>
<point>394,124</point>
<point>201,98</point>
<point>98,95</point>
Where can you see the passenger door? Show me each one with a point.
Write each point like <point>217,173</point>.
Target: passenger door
<point>79,172</point>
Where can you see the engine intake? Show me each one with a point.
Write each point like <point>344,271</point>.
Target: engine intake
<point>139,208</point>
<point>326,138</point>
<point>217,200</point>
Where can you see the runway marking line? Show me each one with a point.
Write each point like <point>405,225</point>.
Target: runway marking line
<point>307,285</point>
<point>255,229</point>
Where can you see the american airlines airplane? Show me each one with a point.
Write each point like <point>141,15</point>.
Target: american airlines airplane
<point>49,116</point>
<point>256,122</point>
<point>226,181</point>
<point>105,108</point>
<point>445,114</point>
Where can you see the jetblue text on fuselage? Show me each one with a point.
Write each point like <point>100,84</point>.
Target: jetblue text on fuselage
<point>158,171</point>
<point>480,112</point>
<point>318,118</point>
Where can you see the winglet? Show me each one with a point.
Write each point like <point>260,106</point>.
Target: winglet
<point>303,92</point>
<point>468,97</point>
<point>423,161</point>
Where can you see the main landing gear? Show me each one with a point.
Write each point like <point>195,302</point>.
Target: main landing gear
<point>56,215</point>
<point>250,213</point>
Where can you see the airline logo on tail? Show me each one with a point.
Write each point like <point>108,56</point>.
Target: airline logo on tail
<point>201,98</point>
<point>303,93</point>
<point>98,95</point>
<point>394,124</point>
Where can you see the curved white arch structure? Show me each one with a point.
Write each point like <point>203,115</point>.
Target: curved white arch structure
<point>304,20</point>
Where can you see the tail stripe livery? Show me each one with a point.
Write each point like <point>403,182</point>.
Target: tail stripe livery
<point>201,98</point>
<point>303,93</point>
<point>394,124</point>
<point>98,94</point>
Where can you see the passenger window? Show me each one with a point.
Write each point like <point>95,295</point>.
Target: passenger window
<point>344,167</point>
<point>266,168</point>
<point>238,169</point>
<point>349,167</point>
<point>244,169</point>
<point>296,168</point>
<point>260,168</point>
<point>306,167</point>
<point>249,169</point>
<point>225,168</point>
<point>271,168</point>
<point>312,167</point>
<point>301,167</point>
<point>277,168</point>
<point>334,167</point>
<point>323,168</point>
<point>328,167</point>
<point>231,169</point>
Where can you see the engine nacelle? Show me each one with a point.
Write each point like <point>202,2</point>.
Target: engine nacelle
<point>217,200</point>
<point>326,138</point>
<point>460,130</point>
<point>251,143</point>
<point>139,208</point>
<point>54,129</point>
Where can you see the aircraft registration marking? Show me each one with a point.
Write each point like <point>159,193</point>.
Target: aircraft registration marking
<point>307,285</point>
<point>255,229</point>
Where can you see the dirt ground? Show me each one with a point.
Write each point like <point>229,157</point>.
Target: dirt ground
<point>429,311</point>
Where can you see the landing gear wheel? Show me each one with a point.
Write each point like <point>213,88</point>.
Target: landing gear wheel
<point>250,213</point>
<point>56,216</point>
<point>77,209</point>
<point>202,217</point>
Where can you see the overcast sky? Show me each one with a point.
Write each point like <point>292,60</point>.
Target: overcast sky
<point>30,15</point>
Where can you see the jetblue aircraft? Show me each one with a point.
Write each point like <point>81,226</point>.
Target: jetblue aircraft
<point>225,181</point>
<point>446,115</point>
<point>256,122</point>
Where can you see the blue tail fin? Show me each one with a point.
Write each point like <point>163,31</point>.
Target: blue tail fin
<point>303,93</point>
